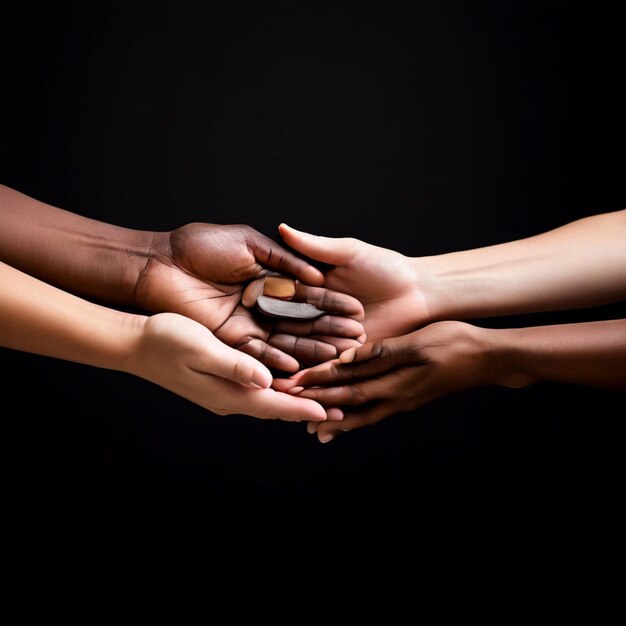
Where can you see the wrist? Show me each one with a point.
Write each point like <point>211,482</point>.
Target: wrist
<point>149,249</point>
<point>508,363</point>
<point>106,262</point>
<point>430,282</point>
<point>127,334</point>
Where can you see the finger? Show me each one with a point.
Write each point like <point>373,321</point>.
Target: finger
<point>330,301</point>
<point>335,251</point>
<point>221,360</point>
<point>268,355</point>
<point>327,431</point>
<point>297,377</point>
<point>334,414</point>
<point>305,349</point>
<point>284,384</point>
<point>331,325</point>
<point>311,427</point>
<point>271,254</point>
<point>347,395</point>
<point>342,344</point>
<point>392,352</point>
<point>270,404</point>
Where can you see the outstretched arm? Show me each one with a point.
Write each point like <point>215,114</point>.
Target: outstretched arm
<point>580,264</point>
<point>167,349</point>
<point>198,270</point>
<point>75,253</point>
<point>403,373</point>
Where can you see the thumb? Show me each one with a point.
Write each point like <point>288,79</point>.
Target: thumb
<point>334,251</point>
<point>226,362</point>
<point>365,352</point>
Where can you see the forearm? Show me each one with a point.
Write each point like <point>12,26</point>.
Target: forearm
<point>36,317</point>
<point>75,253</point>
<point>580,264</point>
<point>592,353</point>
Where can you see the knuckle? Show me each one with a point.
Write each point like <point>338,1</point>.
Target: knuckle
<point>239,370</point>
<point>263,353</point>
<point>244,343</point>
<point>358,395</point>
<point>380,350</point>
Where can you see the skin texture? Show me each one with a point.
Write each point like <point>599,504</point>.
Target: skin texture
<point>580,264</point>
<point>199,270</point>
<point>168,349</point>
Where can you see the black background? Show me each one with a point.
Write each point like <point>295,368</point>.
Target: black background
<point>425,127</point>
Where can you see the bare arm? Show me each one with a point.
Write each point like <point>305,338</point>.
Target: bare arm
<point>580,264</point>
<point>70,251</point>
<point>167,349</point>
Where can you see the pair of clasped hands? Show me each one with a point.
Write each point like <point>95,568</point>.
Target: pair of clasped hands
<point>383,345</point>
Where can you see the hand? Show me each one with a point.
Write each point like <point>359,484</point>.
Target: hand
<point>383,280</point>
<point>186,358</point>
<point>200,271</point>
<point>397,374</point>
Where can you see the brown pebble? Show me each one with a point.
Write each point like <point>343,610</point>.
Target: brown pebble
<point>279,287</point>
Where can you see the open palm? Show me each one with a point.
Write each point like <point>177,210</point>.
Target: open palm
<point>200,271</point>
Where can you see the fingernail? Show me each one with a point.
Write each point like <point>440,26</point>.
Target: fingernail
<point>261,378</point>
<point>346,430</point>
<point>347,356</point>
<point>311,428</point>
<point>294,391</point>
<point>326,438</point>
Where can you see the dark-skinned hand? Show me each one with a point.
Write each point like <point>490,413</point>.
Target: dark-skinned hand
<point>200,271</point>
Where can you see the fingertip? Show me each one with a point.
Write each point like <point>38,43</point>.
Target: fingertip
<point>286,363</point>
<point>294,391</point>
<point>283,227</point>
<point>261,377</point>
<point>347,356</point>
<point>312,427</point>
<point>315,412</point>
<point>326,437</point>
<point>314,277</point>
